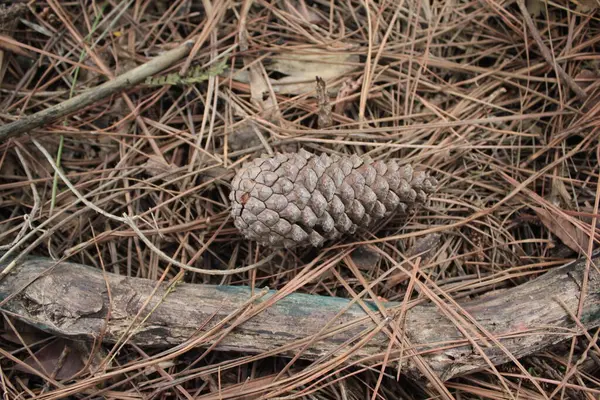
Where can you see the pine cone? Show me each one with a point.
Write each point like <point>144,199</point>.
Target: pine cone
<point>297,199</point>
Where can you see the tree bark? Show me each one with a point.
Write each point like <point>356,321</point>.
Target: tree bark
<point>72,301</point>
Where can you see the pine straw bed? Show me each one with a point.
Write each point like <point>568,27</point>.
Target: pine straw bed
<point>497,99</point>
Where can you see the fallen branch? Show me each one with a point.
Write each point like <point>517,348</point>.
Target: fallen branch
<point>71,300</point>
<point>90,96</point>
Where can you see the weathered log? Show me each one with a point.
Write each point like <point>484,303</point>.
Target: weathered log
<point>72,301</point>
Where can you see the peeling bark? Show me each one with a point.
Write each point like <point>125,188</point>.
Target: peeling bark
<point>71,300</point>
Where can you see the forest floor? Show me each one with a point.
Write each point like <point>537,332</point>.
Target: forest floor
<point>497,99</point>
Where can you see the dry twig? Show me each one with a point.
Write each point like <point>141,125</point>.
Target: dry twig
<point>92,96</point>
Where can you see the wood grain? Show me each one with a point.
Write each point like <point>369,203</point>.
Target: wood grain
<point>72,300</point>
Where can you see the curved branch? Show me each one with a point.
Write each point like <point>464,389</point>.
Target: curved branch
<point>71,300</point>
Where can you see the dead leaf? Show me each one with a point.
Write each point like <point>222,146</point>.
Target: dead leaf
<point>58,358</point>
<point>425,246</point>
<point>298,70</point>
<point>535,7</point>
<point>156,165</point>
<point>89,77</point>
<point>572,236</point>
<point>365,258</point>
<point>560,192</point>
<point>9,166</point>
<point>27,333</point>
<point>244,136</point>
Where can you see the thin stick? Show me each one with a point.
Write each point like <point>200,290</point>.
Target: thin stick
<point>91,96</point>
<point>548,56</point>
